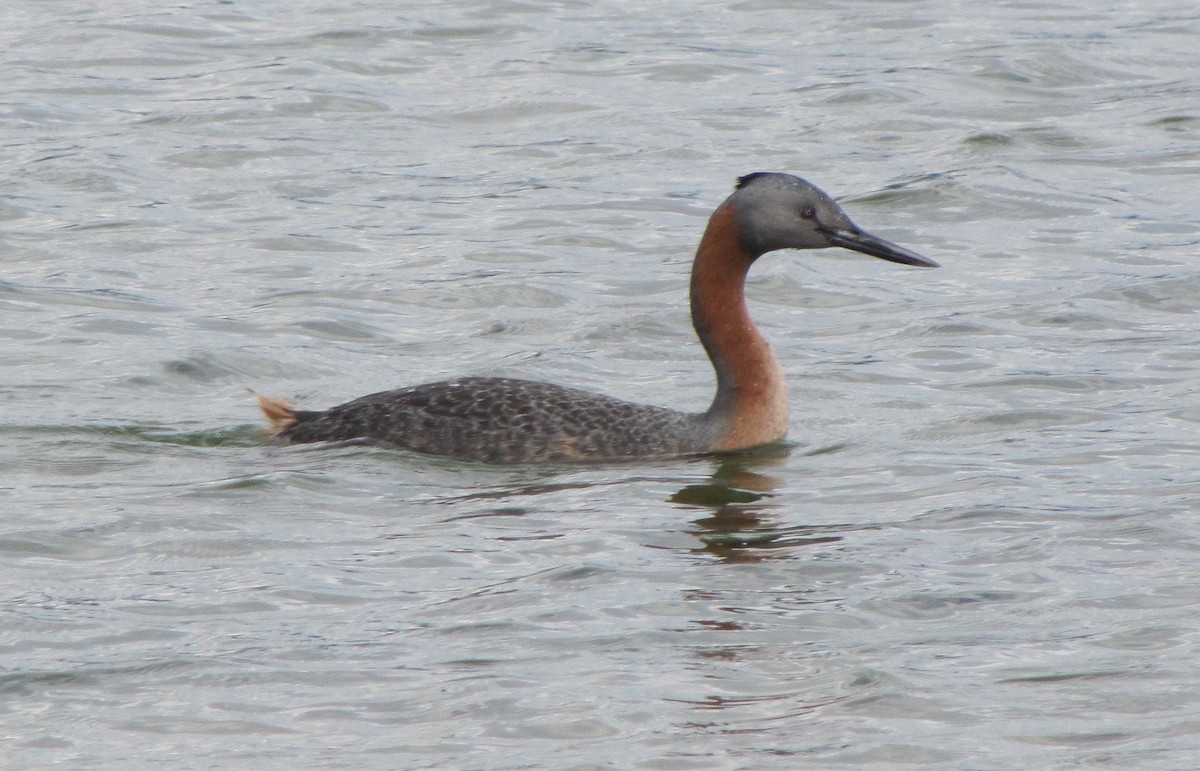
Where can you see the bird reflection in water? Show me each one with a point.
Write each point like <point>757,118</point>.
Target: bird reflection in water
<point>743,523</point>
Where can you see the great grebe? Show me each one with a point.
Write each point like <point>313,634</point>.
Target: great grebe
<point>504,420</point>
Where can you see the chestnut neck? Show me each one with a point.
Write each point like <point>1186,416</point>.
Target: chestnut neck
<point>750,407</point>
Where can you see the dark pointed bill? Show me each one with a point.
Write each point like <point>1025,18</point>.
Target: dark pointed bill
<point>861,241</point>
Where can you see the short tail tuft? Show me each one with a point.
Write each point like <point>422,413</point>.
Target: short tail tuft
<point>279,414</point>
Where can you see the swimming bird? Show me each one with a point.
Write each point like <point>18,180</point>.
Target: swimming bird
<point>505,420</point>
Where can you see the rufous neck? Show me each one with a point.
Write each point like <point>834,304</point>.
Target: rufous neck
<point>750,407</point>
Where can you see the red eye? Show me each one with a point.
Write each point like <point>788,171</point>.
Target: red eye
<point>808,213</point>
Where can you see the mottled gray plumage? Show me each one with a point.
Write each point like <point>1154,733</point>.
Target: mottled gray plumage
<point>502,420</point>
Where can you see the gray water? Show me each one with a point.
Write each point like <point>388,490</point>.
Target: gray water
<point>979,551</point>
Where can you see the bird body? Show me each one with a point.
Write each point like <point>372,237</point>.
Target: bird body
<point>504,420</point>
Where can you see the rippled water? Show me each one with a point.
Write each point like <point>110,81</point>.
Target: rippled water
<point>981,550</point>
